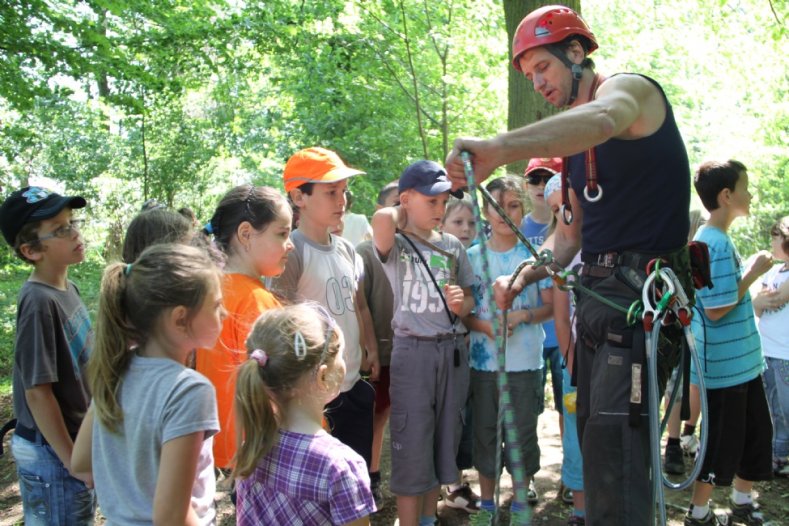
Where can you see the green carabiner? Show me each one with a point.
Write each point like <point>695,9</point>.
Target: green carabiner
<point>634,312</point>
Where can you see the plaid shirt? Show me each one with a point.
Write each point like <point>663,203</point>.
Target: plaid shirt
<point>306,480</point>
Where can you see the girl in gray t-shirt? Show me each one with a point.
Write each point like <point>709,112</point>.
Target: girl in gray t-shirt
<point>147,435</point>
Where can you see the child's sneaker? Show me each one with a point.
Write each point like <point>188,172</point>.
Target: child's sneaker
<point>674,462</point>
<point>747,514</point>
<point>532,497</point>
<point>690,444</point>
<point>781,467</point>
<point>520,518</point>
<point>464,499</point>
<point>481,518</point>
<point>566,493</point>
<point>710,520</point>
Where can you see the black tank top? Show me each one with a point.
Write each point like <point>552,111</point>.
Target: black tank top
<point>646,192</point>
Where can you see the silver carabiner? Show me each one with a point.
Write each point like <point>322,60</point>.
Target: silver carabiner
<point>595,198</point>
<point>567,214</point>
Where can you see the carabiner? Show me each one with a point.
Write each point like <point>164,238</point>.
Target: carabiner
<point>567,214</point>
<point>595,198</point>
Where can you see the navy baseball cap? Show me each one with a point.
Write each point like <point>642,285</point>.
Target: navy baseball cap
<point>30,204</point>
<point>427,178</point>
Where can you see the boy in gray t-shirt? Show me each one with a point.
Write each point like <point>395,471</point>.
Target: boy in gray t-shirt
<point>53,341</point>
<point>431,279</point>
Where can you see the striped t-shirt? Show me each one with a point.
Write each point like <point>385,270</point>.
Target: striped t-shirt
<point>729,349</point>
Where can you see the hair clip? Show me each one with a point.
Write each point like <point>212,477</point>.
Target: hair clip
<point>299,345</point>
<point>127,270</point>
<point>260,356</point>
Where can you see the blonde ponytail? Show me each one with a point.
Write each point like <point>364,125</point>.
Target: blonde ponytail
<point>256,419</point>
<point>110,356</point>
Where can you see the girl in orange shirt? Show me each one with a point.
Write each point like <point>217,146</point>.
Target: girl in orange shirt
<point>251,226</point>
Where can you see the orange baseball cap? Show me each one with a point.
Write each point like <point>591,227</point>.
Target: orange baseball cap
<point>316,165</point>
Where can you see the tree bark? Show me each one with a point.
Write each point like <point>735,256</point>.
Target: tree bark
<point>525,106</point>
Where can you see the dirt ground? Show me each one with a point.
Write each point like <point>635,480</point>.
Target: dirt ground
<point>550,511</point>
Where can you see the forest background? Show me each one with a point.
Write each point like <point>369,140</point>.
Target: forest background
<point>179,100</point>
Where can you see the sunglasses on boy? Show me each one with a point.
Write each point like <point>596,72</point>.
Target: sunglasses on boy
<point>538,177</point>
<point>65,231</point>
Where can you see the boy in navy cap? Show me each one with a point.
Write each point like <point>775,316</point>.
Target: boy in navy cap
<point>53,341</point>
<point>431,279</point>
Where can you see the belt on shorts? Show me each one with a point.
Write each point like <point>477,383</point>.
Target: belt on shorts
<point>439,338</point>
<point>34,435</point>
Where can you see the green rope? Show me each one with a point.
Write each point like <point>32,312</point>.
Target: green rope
<point>506,415</point>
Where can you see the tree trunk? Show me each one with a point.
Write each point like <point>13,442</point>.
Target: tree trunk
<point>525,106</point>
<point>102,81</point>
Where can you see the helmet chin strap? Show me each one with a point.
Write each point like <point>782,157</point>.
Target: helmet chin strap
<point>576,70</point>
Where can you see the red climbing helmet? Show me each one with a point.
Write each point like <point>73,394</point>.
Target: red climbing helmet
<point>548,25</point>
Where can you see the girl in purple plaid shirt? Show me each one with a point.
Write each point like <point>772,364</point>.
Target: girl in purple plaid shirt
<point>290,470</point>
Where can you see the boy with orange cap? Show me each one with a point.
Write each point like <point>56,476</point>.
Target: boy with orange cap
<point>326,269</point>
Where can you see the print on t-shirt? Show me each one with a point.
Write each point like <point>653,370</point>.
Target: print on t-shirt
<point>419,292</point>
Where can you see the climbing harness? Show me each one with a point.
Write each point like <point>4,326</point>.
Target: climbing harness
<point>663,302</point>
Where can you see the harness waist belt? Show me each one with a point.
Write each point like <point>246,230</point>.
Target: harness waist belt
<point>637,260</point>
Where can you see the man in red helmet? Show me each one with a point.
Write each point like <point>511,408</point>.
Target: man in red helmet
<point>626,203</point>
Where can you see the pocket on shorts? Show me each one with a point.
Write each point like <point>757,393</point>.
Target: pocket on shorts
<point>84,505</point>
<point>397,423</point>
<point>36,495</point>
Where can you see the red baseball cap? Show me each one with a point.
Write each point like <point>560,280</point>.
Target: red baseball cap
<point>315,165</point>
<point>553,165</point>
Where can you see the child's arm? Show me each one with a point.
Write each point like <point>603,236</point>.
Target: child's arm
<point>783,294</point>
<point>475,324</point>
<point>172,502</point>
<point>369,342</point>
<point>459,300</point>
<point>82,454</point>
<point>536,315</point>
<point>563,325</point>
<point>766,300</point>
<point>385,223</point>
<point>49,419</point>
<point>762,262</point>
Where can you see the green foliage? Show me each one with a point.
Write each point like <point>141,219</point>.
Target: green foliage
<point>724,67</point>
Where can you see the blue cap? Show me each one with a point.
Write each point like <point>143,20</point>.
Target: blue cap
<point>427,178</point>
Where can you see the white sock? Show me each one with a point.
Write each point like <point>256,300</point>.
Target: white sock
<point>741,498</point>
<point>699,512</point>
